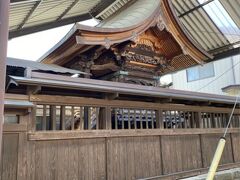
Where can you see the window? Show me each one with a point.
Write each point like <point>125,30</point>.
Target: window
<point>200,72</point>
<point>11,118</point>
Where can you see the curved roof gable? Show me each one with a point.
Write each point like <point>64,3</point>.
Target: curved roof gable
<point>156,19</point>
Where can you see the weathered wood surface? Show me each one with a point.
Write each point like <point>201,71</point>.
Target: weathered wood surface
<point>9,162</point>
<point>116,157</point>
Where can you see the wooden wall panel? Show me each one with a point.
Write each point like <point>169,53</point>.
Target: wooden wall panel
<point>31,160</point>
<point>22,156</point>
<point>209,145</point>
<point>133,157</point>
<point>92,159</point>
<point>111,157</point>
<point>236,146</point>
<point>9,157</point>
<point>70,159</point>
<point>180,153</point>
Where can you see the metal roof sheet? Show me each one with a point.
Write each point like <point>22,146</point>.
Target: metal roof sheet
<point>208,24</point>
<point>134,14</point>
<point>232,7</point>
<point>28,16</point>
<point>40,66</point>
<point>64,82</point>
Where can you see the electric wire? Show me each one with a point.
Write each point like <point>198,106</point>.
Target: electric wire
<point>218,76</point>
<point>230,118</point>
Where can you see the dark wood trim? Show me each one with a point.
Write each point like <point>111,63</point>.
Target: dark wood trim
<point>86,134</point>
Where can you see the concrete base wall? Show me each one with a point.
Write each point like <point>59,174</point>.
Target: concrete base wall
<point>231,174</point>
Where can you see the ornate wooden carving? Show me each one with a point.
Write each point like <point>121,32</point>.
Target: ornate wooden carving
<point>152,47</point>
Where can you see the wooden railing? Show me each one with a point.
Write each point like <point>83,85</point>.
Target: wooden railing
<point>67,113</point>
<point>71,138</point>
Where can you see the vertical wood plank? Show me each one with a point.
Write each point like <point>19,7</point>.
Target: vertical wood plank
<point>108,116</point>
<point>31,161</point>
<point>62,118</point>
<point>22,157</point>
<point>209,145</point>
<point>44,123</point>
<point>176,154</point>
<point>129,122</point>
<point>9,156</point>
<point>141,119</point>
<point>53,117</point>
<point>32,125</point>
<point>72,118</point>
<point>115,118</point>
<point>97,118</point>
<point>135,119</point>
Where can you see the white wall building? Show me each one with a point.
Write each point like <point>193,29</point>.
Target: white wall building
<point>209,78</point>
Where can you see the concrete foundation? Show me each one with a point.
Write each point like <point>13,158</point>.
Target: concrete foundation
<point>231,174</point>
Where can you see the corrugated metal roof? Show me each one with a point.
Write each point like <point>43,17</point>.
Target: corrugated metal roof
<point>135,13</point>
<point>27,16</point>
<point>40,66</point>
<point>208,22</point>
<point>232,7</point>
<point>114,7</point>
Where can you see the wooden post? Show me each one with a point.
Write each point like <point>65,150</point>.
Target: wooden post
<point>108,118</point>
<point>159,119</point>
<point>4,16</point>
<point>53,117</point>
<point>105,117</point>
<point>199,119</point>
<point>62,118</point>
<point>86,117</point>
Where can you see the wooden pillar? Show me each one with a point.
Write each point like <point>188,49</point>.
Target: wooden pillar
<point>86,118</point>
<point>53,117</point>
<point>105,118</point>
<point>4,16</point>
<point>199,119</point>
<point>159,119</point>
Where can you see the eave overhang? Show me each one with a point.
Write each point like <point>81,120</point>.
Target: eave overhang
<point>82,38</point>
<point>64,82</point>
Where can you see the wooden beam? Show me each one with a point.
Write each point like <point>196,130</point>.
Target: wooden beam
<point>68,100</point>
<point>33,89</point>
<point>60,135</point>
<point>14,128</point>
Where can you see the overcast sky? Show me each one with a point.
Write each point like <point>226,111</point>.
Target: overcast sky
<point>33,46</point>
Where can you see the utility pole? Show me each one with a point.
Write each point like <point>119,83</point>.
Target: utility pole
<point>4,18</point>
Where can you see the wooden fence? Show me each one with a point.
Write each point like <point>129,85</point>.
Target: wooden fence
<point>46,145</point>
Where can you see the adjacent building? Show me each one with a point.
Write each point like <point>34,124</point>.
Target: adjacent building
<point>218,77</point>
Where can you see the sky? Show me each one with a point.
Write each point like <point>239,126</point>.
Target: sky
<point>33,46</point>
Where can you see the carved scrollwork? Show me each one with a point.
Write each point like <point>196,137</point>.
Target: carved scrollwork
<point>160,23</point>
